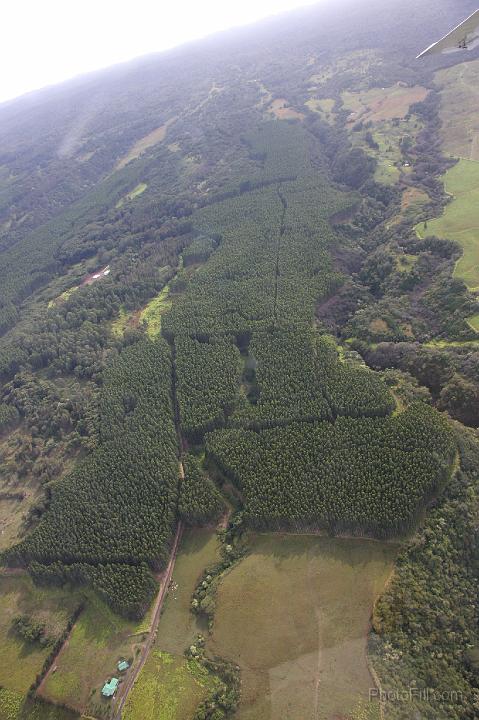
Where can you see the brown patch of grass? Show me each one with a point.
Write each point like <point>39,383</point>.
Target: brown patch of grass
<point>153,138</point>
<point>383,103</point>
<point>378,326</point>
<point>280,109</point>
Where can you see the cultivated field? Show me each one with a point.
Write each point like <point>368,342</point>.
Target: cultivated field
<point>460,220</point>
<point>22,661</point>
<point>460,109</point>
<point>169,687</point>
<point>294,614</point>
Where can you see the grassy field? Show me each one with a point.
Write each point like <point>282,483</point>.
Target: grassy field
<point>170,687</point>
<point>384,111</point>
<point>382,103</point>
<point>294,614</point>
<point>98,640</point>
<point>153,138</point>
<point>460,220</point>
<point>281,110</point>
<point>14,706</point>
<point>152,313</point>
<point>138,190</point>
<point>474,322</point>
<point>460,109</point>
<point>22,661</point>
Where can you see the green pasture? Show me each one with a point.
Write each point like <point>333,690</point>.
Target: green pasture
<point>459,111</point>
<point>21,661</point>
<point>460,220</point>
<point>138,190</point>
<point>169,688</point>
<point>294,614</point>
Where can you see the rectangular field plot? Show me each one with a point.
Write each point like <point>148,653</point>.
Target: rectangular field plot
<point>99,639</point>
<point>294,614</point>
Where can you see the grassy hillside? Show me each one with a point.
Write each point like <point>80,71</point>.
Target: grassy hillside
<point>460,221</point>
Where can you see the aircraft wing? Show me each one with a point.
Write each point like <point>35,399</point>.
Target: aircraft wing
<point>464,37</point>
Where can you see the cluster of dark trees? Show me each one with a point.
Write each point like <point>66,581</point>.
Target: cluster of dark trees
<point>30,630</point>
<point>361,475</point>
<point>207,382</point>
<point>297,376</point>
<point>425,624</point>
<point>451,374</point>
<point>199,501</point>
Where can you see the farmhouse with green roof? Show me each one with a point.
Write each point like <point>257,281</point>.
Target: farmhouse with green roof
<point>109,688</point>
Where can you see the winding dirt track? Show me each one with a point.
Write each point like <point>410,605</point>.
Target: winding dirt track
<point>125,688</point>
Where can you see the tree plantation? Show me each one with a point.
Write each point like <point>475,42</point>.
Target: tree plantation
<point>224,317</point>
<point>367,476</point>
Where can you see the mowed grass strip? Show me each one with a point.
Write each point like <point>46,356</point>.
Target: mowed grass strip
<point>294,614</point>
<point>460,220</point>
<point>21,661</point>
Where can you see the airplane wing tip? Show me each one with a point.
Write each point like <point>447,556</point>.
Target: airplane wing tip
<point>427,51</point>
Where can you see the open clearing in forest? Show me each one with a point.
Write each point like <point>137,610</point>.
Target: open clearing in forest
<point>280,109</point>
<point>322,106</point>
<point>153,138</point>
<point>169,687</point>
<point>460,220</point>
<point>152,312</point>
<point>13,510</point>
<point>382,103</point>
<point>98,640</point>
<point>460,109</point>
<point>138,190</point>
<point>294,614</point>
<point>385,126</point>
<point>22,661</point>
<point>474,322</point>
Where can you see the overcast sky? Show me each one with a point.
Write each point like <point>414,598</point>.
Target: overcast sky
<point>46,41</point>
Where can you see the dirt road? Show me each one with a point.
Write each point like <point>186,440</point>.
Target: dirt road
<point>125,687</point>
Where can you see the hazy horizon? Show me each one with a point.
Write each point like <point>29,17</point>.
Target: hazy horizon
<point>91,37</point>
